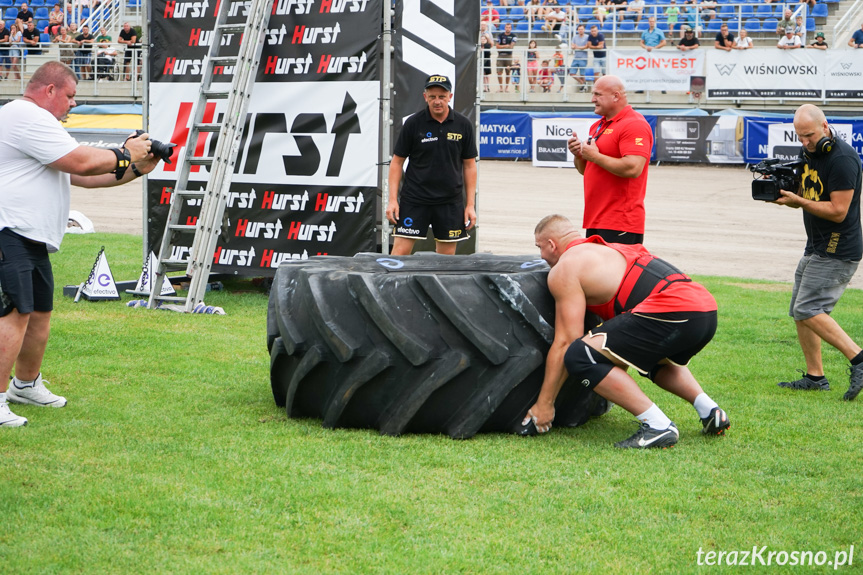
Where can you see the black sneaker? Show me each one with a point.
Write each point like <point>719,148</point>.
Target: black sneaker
<point>856,382</point>
<point>716,423</point>
<point>647,437</point>
<point>806,382</point>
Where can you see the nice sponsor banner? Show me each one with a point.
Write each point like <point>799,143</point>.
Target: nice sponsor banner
<point>657,70</point>
<point>776,138</point>
<point>550,137</point>
<point>306,175</point>
<point>766,73</point>
<point>783,143</point>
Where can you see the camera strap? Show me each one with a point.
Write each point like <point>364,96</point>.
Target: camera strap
<point>124,158</point>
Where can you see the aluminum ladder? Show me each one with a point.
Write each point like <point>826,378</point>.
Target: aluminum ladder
<point>229,132</point>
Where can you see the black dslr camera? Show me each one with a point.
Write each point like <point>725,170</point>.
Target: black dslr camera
<point>779,176</point>
<point>160,149</point>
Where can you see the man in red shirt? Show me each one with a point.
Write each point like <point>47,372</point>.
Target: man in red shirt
<point>613,162</point>
<point>655,319</point>
<point>491,16</point>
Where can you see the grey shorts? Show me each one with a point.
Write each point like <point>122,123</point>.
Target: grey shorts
<point>819,282</point>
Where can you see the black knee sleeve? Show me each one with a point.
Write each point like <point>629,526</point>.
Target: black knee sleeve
<point>585,364</point>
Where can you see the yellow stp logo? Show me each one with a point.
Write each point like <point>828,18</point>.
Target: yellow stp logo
<point>452,136</point>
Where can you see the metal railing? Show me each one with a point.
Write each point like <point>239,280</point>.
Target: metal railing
<point>614,25</point>
<point>846,25</point>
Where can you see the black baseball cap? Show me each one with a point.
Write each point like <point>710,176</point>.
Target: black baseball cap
<point>439,80</point>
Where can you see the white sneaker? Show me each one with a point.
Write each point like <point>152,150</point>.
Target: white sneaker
<point>33,394</point>
<point>9,419</point>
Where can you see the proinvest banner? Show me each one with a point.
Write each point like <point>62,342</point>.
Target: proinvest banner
<point>658,70</point>
<point>774,74</point>
<point>306,175</point>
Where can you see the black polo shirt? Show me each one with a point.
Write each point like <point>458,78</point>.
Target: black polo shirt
<point>436,151</point>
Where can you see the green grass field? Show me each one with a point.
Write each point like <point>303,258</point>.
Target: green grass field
<point>171,457</point>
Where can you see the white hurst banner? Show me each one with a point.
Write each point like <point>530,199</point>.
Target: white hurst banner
<point>550,136</point>
<point>771,73</point>
<point>658,70</point>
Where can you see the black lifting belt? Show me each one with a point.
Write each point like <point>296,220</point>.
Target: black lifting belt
<point>647,275</point>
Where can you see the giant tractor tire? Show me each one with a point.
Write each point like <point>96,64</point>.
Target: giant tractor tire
<point>419,344</point>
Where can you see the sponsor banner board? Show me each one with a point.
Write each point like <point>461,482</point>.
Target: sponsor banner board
<point>550,136</point>
<point>505,135</point>
<point>657,70</point>
<point>306,175</point>
<point>704,139</point>
<point>766,74</point>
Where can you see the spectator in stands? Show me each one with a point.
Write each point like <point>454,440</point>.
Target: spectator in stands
<point>689,41</point>
<point>819,43</point>
<point>55,20</point>
<point>559,66</point>
<point>505,43</point>
<point>789,41</point>
<point>809,3</point>
<point>616,6</point>
<point>4,50</point>
<point>106,55</point>
<point>635,9</point>
<point>66,42</point>
<point>532,63</point>
<point>554,18</point>
<point>545,78</point>
<point>579,57</point>
<point>129,38</point>
<point>653,38</point>
<point>31,36</point>
<point>743,42</point>
<point>71,15</point>
<point>15,54</point>
<point>800,28</point>
<point>856,40</point>
<point>724,39</point>
<point>84,54</point>
<point>689,17</point>
<point>786,22</point>
<point>671,15</point>
<point>24,15</point>
<point>515,73</point>
<point>707,10</point>
<point>490,16</point>
<point>534,10</point>
<point>596,42</point>
<point>486,41</point>
<point>600,11</point>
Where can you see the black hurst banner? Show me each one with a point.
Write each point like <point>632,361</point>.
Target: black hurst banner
<point>306,175</point>
<point>430,39</point>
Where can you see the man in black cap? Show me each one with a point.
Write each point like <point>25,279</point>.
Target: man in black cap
<point>441,145</point>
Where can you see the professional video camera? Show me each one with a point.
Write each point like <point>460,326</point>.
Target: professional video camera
<point>160,149</point>
<point>779,176</point>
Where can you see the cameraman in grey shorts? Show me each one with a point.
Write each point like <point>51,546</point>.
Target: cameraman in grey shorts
<point>830,198</point>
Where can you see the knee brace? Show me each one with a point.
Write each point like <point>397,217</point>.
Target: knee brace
<point>585,364</point>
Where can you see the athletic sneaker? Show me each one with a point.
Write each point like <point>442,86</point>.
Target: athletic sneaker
<point>716,423</point>
<point>856,382</point>
<point>647,437</point>
<point>33,394</point>
<point>806,382</point>
<point>9,419</point>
